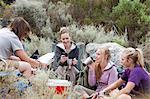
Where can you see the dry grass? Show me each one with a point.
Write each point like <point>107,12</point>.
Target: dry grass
<point>39,89</point>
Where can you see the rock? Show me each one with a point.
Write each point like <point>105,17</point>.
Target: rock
<point>146,53</point>
<point>114,48</point>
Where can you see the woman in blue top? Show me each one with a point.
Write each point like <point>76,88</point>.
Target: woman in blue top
<point>136,77</point>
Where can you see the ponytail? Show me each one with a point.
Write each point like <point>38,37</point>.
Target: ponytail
<point>140,57</point>
<point>136,55</point>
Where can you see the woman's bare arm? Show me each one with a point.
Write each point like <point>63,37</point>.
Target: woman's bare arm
<point>114,85</point>
<point>24,57</point>
<point>127,89</point>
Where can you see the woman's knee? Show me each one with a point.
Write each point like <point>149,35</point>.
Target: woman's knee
<point>124,96</point>
<point>24,66</point>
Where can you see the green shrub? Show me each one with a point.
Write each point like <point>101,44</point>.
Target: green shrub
<point>43,45</point>
<point>133,16</point>
<point>33,12</point>
<point>83,34</point>
<point>120,40</point>
<point>90,33</point>
<point>59,15</point>
<point>43,16</point>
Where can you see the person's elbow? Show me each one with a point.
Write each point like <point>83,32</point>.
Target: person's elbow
<point>128,88</point>
<point>126,91</point>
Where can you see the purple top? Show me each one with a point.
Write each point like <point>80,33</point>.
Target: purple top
<point>139,77</point>
<point>109,76</point>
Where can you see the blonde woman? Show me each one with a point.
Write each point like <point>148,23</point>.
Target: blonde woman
<point>66,56</point>
<point>101,73</point>
<point>137,79</point>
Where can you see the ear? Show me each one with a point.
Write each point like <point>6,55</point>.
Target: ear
<point>106,57</point>
<point>129,60</point>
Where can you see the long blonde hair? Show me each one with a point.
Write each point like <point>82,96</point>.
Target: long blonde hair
<point>106,56</point>
<point>136,55</point>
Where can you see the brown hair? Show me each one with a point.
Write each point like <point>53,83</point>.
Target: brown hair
<point>106,56</point>
<point>136,55</point>
<point>20,27</point>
